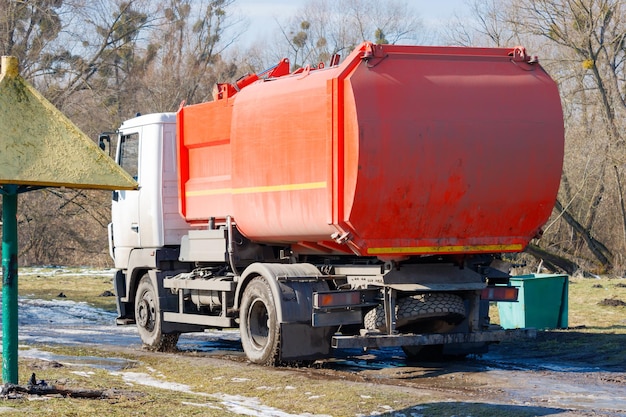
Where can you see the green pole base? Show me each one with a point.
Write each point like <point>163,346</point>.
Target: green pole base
<point>9,284</point>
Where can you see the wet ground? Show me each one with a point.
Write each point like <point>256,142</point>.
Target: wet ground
<point>577,381</point>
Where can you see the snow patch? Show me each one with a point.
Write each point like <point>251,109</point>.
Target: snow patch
<point>38,398</point>
<point>43,312</point>
<point>253,407</point>
<point>204,405</point>
<point>60,271</point>
<point>234,403</point>
<point>145,379</point>
<point>82,373</point>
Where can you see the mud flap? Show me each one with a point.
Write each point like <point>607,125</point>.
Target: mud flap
<point>300,341</point>
<point>125,312</point>
<point>293,286</point>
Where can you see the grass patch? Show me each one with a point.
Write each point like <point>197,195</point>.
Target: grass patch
<point>587,306</point>
<point>204,386</point>
<point>74,284</point>
<point>120,398</point>
<point>596,330</point>
<point>594,305</point>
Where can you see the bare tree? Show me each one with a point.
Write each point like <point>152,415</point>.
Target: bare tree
<point>100,62</point>
<point>27,30</point>
<point>582,45</point>
<point>189,52</point>
<point>323,28</point>
<point>595,31</point>
<point>591,37</point>
<point>492,25</point>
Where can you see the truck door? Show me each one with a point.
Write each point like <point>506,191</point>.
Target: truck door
<point>125,204</point>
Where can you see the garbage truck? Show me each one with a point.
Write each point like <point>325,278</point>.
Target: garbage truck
<point>367,203</point>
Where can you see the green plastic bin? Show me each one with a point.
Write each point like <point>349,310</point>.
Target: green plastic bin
<point>541,304</point>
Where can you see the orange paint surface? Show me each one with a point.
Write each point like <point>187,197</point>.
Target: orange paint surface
<point>404,149</point>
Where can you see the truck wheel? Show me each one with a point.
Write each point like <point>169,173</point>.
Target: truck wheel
<point>419,307</point>
<point>148,318</point>
<point>260,330</point>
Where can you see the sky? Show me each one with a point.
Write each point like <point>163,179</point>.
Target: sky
<point>263,14</point>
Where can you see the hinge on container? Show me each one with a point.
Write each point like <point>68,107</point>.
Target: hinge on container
<point>519,55</point>
<point>373,50</point>
<point>341,238</point>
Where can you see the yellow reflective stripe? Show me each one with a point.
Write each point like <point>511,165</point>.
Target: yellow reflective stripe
<point>261,189</point>
<point>446,249</point>
<point>217,191</point>
<point>284,187</point>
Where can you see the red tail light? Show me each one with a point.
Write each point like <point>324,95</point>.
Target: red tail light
<point>500,294</point>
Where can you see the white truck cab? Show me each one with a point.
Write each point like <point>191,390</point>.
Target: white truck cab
<point>147,217</point>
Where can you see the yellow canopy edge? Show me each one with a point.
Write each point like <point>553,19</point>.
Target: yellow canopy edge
<point>39,146</point>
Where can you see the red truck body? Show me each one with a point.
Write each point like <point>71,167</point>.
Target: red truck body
<point>400,150</point>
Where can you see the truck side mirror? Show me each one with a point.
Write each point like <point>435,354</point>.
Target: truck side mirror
<point>104,137</point>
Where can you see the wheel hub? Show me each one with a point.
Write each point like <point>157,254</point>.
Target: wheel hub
<point>259,323</point>
<point>143,311</point>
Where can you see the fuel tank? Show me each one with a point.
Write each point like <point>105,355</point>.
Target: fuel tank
<point>399,150</point>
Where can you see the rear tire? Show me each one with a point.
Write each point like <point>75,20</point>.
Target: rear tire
<point>417,308</point>
<point>148,319</point>
<point>427,352</point>
<point>259,327</point>
<point>422,313</point>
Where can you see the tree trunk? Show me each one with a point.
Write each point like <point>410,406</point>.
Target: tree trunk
<point>553,259</point>
<point>620,194</point>
<point>598,249</point>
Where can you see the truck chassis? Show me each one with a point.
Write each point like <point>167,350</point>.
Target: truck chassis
<point>292,313</point>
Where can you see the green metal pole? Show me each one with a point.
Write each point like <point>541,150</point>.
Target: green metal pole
<point>9,284</point>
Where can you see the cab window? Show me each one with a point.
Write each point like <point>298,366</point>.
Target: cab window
<point>129,154</point>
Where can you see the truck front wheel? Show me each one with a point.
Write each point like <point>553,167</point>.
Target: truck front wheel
<point>148,318</point>
<point>260,330</point>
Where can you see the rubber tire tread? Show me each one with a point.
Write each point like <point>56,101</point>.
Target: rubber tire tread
<point>258,290</point>
<point>154,340</point>
<point>418,307</point>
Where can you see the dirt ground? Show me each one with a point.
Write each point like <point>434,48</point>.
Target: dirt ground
<point>559,373</point>
<point>564,373</point>
<point>579,371</point>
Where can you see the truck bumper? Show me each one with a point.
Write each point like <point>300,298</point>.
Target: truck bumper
<point>395,340</point>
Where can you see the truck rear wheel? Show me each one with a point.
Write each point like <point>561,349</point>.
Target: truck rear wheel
<point>260,330</point>
<point>148,318</point>
<point>419,307</point>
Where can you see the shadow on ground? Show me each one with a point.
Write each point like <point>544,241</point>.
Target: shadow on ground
<point>443,409</point>
<point>588,349</point>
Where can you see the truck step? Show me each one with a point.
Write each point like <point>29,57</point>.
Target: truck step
<point>395,340</point>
